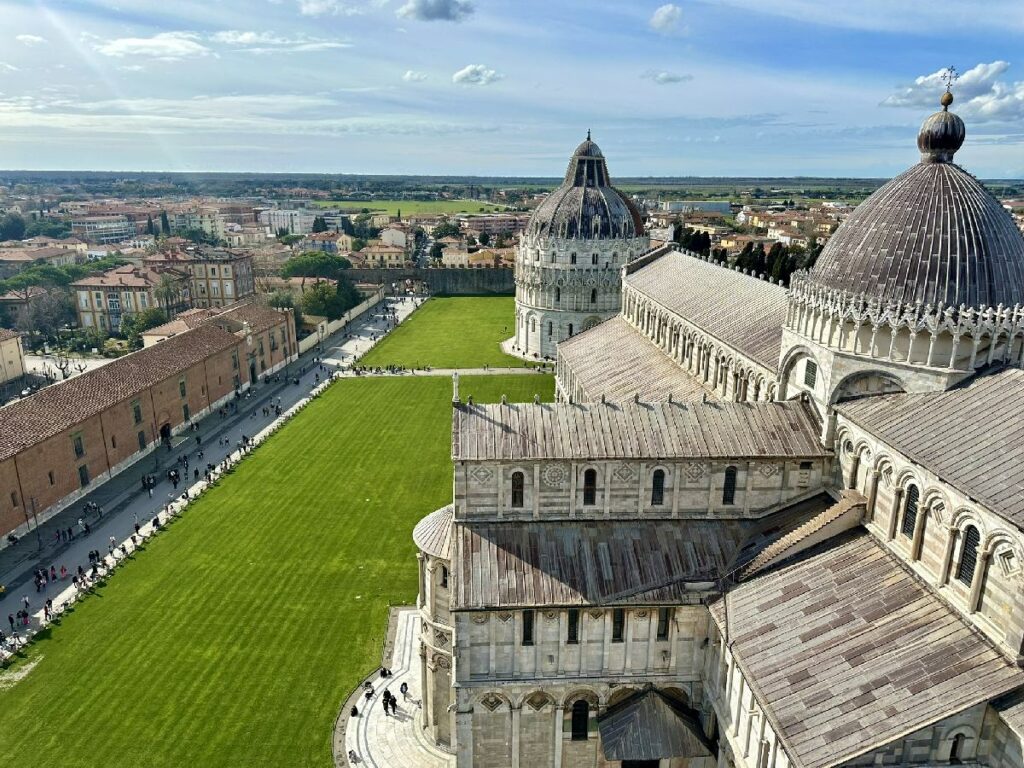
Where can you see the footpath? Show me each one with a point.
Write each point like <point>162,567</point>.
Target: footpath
<point>121,501</point>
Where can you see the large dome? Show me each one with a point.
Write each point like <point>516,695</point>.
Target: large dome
<point>933,234</point>
<point>586,206</point>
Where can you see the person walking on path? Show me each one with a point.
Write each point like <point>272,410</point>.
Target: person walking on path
<point>385,702</point>
<point>405,691</point>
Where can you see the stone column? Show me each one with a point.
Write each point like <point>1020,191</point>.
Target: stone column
<point>979,577</point>
<point>515,737</point>
<point>947,559</point>
<point>464,737</point>
<point>869,511</point>
<point>851,482</point>
<point>897,507</point>
<point>559,722</point>
<point>919,528</point>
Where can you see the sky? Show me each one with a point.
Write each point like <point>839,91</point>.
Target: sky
<point>506,87</point>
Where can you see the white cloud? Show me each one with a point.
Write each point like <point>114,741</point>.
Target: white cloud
<point>666,18</point>
<point>268,42</point>
<point>327,8</point>
<point>978,93</point>
<point>30,40</point>
<point>5,67</point>
<point>666,78</point>
<point>412,76</point>
<point>436,10</point>
<point>476,74</point>
<point>165,45</point>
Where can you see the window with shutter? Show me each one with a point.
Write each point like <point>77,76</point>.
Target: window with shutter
<point>969,556</point>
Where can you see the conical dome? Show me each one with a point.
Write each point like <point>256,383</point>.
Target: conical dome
<point>933,235</point>
<point>586,205</point>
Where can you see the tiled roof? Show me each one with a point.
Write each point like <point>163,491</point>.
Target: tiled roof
<point>739,310</point>
<point>635,430</point>
<point>7,335</point>
<point>847,651</point>
<point>933,429</point>
<point>259,317</point>
<point>433,534</point>
<point>616,361</point>
<point>54,409</point>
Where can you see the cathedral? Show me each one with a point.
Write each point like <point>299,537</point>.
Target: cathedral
<point>570,256</point>
<point>762,526</point>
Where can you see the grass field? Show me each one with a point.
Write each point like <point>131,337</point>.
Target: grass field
<point>456,332</point>
<point>233,640</point>
<point>412,207</point>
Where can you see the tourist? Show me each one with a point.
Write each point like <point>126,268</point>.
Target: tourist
<point>10,620</point>
<point>404,688</point>
<point>386,703</point>
<point>63,573</point>
<point>53,573</point>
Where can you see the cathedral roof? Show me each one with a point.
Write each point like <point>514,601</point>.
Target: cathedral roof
<point>933,235</point>
<point>933,428</point>
<point>615,361</point>
<point>738,310</point>
<point>843,667</point>
<point>433,534</point>
<point>779,429</point>
<point>586,206</point>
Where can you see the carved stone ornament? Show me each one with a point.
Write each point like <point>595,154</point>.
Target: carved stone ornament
<point>641,614</point>
<point>481,474</point>
<point>768,470</point>
<point>440,638</point>
<point>442,662</point>
<point>506,617</point>
<point>554,475</point>
<point>550,615</point>
<point>491,702</point>
<point>596,614</point>
<point>537,701</point>
<point>481,618</point>
<point>694,471</point>
<point>624,473</point>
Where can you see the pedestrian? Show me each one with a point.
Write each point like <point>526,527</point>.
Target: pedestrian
<point>25,602</point>
<point>404,688</point>
<point>386,703</point>
<point>394,706</point>
<point>53,573</point>
<point>71,533</point>
<point>63,573</point>
<point>10,620</point>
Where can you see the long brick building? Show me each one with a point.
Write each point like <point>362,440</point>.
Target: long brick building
<point>58,442</point>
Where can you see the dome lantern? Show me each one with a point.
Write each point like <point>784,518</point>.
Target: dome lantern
<point>941,134</point>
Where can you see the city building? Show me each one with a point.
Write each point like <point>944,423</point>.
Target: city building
<point>61,440</point>
<point>104,229</point>
<point>568,269</point>
<point>12,356</point>
<point>761,528</point>
<point>328,242</point>
<point>692,206</point>
<point>104,300</point>
<point>205,219</point>
<point>296,221</point>
<point>383,255</point>
<point>217,276</point>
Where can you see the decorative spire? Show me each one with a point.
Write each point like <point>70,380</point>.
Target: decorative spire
<point>588,134</point>
<point>942,133</point>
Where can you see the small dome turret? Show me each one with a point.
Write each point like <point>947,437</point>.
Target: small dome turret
<point>941,134</point>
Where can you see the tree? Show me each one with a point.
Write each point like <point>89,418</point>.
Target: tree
<point>447,230</point>
<point>165,225</point>
<point>12,227</point>
<point>47,313</point>
<point>436,251</point>
<point>326,300</point>
<point>167,293</point>
<point>150,227</point>
<point>47,228</point>
<point>288,239</point>
<point>132,326</point>
<point>316,264</point>
<point>319,224</point>
<point>281,299</point>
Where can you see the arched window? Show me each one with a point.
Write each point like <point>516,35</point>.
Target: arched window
<point>572,258</point>
<point>658,488</point>
<point>517,489</point>
<point>956,749</point>
<point>558,294</point>
<point>551,329</point>
<point>593,258</point>
<point>580,720</point>
<point>533,324</point>
<point>593,295</point>
<point>729,487</point>
<point>969,556</point>
<point>910,514</point>
<point>590,488</point>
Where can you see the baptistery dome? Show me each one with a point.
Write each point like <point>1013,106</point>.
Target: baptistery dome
<point>932,235</point>
<point>586,205</point>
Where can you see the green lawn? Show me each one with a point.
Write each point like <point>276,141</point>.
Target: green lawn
<point>456,332</point>
<point>412,207</point>
<point>234,639</point>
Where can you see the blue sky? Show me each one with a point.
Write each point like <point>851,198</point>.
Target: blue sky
<point>505,87</point>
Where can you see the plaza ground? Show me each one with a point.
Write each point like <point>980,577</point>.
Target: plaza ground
<point>413,207</point>
<point>235,637</point>
<point>456,332</point>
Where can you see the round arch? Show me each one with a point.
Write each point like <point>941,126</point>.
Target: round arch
<point>872,382</point>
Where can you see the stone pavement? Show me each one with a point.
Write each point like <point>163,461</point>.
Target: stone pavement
<point>394,741</point>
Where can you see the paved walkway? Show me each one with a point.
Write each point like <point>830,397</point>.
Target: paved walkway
<point>395,741</point>
<point>122,499</point>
